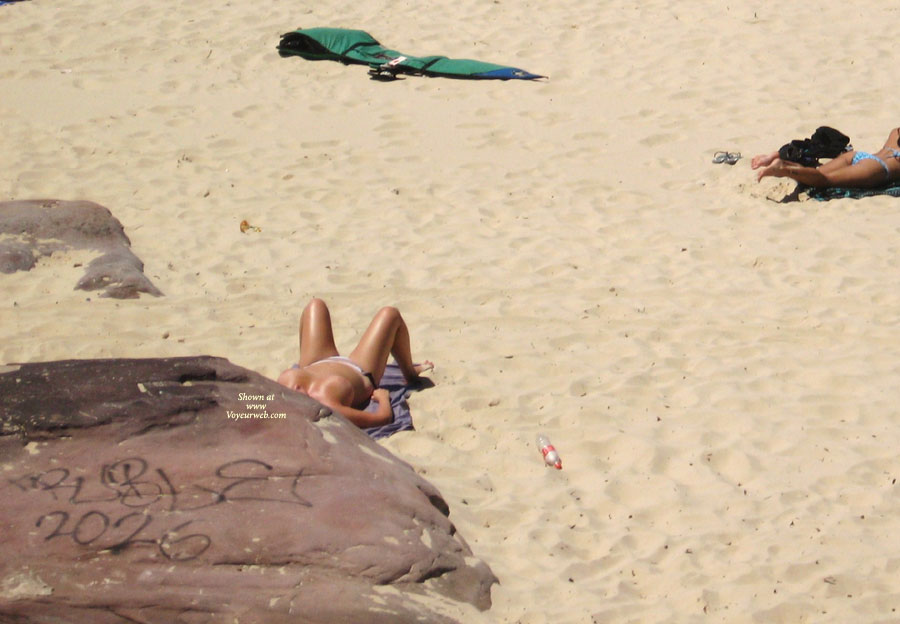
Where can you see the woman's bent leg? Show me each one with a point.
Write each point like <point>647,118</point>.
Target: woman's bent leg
<point>316,337</point>
<point>844,160</point>
<point>387,334</point>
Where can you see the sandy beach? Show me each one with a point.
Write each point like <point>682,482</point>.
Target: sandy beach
<point>718,370</point>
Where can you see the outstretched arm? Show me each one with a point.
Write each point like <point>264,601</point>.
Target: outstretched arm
<point>804,175</point>
<point>838,172</point>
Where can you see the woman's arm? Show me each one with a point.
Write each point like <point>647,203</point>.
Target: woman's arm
<point>361,418</point>
<point>893,140</point>
<point>866,173</point>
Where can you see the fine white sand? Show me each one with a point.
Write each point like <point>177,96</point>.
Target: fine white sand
<point>719,371</point>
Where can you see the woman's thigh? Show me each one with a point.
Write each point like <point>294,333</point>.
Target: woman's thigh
<point>316,336</point>
<point>377,341</point>
<point>865,173</point>
<point>844,160</point>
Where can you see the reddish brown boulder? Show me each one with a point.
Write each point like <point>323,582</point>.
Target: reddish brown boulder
<point>30,229</point>
<point>192,490</point>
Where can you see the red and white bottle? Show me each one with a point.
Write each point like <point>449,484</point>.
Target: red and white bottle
<point>551,457</point>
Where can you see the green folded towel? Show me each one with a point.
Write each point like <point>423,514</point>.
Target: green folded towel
<point>359,47</point>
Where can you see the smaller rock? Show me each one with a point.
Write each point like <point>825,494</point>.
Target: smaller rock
<point>39,227</point>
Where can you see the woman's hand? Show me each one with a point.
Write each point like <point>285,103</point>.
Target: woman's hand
<point>383,398</point>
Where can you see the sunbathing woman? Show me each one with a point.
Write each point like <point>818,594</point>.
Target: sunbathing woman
<point>345,384</point>
<point>850,169</point>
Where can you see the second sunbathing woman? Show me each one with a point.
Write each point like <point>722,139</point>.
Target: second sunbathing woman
<point>852,169</point>
<point>346,384</point>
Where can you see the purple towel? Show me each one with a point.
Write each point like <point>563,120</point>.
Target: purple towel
<point>394,382</point>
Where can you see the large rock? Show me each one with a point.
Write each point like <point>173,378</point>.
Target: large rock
<point>30,229</point>
<point>192,490</point>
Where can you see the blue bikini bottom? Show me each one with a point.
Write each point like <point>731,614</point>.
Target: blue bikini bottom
<point>858,156</point>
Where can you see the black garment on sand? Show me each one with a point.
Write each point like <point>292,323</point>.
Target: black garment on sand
<point>824,143</point>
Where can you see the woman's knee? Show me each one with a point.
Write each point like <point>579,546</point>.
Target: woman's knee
<point>316,304</point>
<point>388,314</point>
